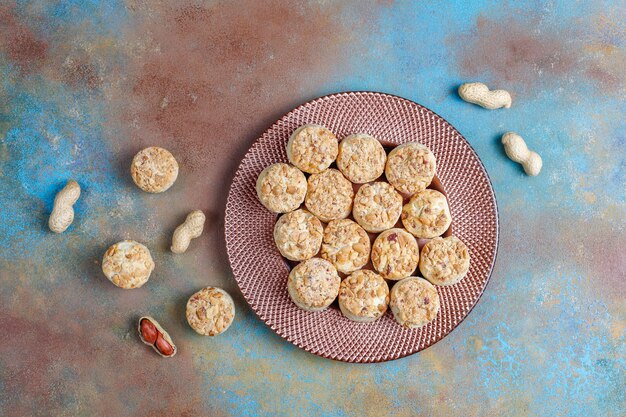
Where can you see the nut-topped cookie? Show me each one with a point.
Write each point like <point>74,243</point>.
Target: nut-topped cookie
<point>154,169</point>
<point>395,254</point>
<point>210,311</point>
<point>312,148</point>
<point>377,206</point>
<point>127,264</point>
<point>410,168</point>
<point>361,158</point>
<point>281,188</point>
<point>414,302</point>
<point>346,245</point>
<point>363,296</point>
<point>298,235</point>
<point>329,195</point>
<point>313,284</point>
<point>444,261</point>
<point>427,214</point>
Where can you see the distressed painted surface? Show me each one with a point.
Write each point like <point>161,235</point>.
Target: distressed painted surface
<point>85,84</point>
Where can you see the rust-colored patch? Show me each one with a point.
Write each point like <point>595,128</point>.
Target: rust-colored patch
<point>18,41</point>
<point>513,52</point>
<point>79,72</point>
<point>525,53</point>
<point>595,246</point>
<point>38,356</point>
<point>55,60</point>
<point>214,77</point>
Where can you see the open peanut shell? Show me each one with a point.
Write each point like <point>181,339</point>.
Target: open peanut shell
<point>167,349</point>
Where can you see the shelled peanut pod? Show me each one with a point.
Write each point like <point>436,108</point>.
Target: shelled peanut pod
<point>151,333</point>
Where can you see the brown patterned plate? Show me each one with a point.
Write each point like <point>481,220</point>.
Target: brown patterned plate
<point>261,272</point>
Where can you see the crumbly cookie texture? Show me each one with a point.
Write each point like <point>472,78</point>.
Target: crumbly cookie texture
<point>410,168</point>
<point>298,235</point>
<point>312,148</point>
<point>210,311</point>
<point>427,214</point>
<point>329,195</point>
<point>444,261</point>
<point>395,254</point>
<point>363,296</point>
<point>281,188</point>
<point>361,158</point>
<point>414,302</point>
<point>377,206</point>
<point>154,169</point>
<point>313,284</point>
<point>127,264</point>
<point>346,245</point>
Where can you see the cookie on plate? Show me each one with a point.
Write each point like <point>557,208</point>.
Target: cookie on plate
<point>410,168</point>
<point>395,254</point>
<point>298,235</point>
<point>427,214</point>
<point>361,158</point>
<point>346,245</point>
<point>444,261</point>
<point>313,284</point>
<point>281,188</point>
<point>210,311</point>
<point>329,195</point>
<point>127,264</point>
<point>377,206</point>
<point>363,296</point>
<point>312,148</point>
<point>154,169</point>
<point>414,302</point>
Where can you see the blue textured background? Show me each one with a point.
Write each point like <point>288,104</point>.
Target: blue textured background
<point>85,84</point>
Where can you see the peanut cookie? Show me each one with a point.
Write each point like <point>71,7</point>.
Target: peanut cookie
<point>346,245</point>
<point>410,168</point>
<point>329,195</point>
<point>298,235</point>
<point>154,169</point>
<point>414,302</point>
<point>210,311</point>
<point>281,188</point>
<point>377,206</point>
<point>313,284</point>
<point>361,158</point>
<point>312,148</point>
<point>127,264</point>
<point>427,214</point>
<point>444,261</point>
<point>363,296</point>
<point>395,254</point>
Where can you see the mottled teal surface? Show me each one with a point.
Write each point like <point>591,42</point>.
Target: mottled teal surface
<point>85,84</point>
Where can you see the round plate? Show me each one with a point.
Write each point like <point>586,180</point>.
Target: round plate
<point>261,272</point>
